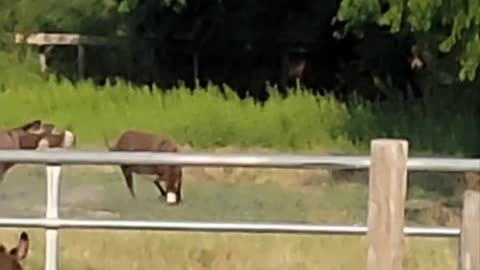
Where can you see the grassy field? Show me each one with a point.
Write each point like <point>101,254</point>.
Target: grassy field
<point>207,119</point>
<point>300,122</point>
<point>210,194</point>
<point>167,250</point>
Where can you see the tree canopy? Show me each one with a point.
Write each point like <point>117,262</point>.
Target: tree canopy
<point>388,33</point>
<point>449,26</point>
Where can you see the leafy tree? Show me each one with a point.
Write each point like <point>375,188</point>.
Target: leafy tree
<point>448,26</point>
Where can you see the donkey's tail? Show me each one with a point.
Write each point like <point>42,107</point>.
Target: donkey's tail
<point>107,144</point>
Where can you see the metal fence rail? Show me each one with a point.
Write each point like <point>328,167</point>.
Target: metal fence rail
<point>228,160</point>
<point>225,227</point>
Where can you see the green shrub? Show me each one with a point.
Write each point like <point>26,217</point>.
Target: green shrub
<point>447,124</point>
<point>203,118</point>
<point>14,71</point>
<point>206,117</point>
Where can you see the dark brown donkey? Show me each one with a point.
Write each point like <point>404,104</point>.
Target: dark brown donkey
<point>31,136</point>
<point>12,260</point>
<point>10,139</point>
<point>48,136</point>
<point>133,140</point>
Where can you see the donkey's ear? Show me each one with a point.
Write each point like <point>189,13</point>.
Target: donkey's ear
<point>32,125</point>
<point>21,250</point>
<point>2,249</point>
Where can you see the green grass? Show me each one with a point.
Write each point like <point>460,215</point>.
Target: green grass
<point>238,196</point>
<point>264,196</point>
<point>81,250</point>
<point>206,118</point>
<point>445,124</point>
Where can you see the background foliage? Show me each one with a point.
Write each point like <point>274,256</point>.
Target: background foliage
<point>367,48</point>
<point>356,70</point>
<point>359,51</point>
<point>208,118</point>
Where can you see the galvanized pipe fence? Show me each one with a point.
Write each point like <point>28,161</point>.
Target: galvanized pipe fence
<point>387,164</point>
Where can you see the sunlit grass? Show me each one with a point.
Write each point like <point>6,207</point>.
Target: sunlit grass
<point>124,250</point>
<point>207,118</point>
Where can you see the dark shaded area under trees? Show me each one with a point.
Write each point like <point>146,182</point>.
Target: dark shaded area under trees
<point>374,48</point>
<point>241,43</point>
<point>246,44</point>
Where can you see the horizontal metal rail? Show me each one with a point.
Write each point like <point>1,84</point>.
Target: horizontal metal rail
<point>75,157</point>
<point>292,228</point>
<point>444,164</point>
<point>72,157</point>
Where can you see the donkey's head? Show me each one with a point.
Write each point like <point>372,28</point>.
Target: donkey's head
<point>11,260</point>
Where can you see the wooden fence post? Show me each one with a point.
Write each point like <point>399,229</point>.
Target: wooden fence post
<point>470,237</point>
<point>81,61</point>
<point>195,69</point>
<point>386,203</point>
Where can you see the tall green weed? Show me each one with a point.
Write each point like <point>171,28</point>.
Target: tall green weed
<point>206,117</point>
<point>13,71</point>
<point>447,124</point>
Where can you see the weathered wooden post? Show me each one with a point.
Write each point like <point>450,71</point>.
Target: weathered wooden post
<point>284,70</point>
<point>44,51</point>
<point>195,67</point>
<point>81,61</point>
<point>42,58</point>
<point>386,203</point>
<point>470,236</point>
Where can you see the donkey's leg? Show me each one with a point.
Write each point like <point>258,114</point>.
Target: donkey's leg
<point>128,180</point>
<point>159,186</point>
<point>173,180</point>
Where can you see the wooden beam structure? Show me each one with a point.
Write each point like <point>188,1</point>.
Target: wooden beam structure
<point>43,39</point>
<point>63,39</point>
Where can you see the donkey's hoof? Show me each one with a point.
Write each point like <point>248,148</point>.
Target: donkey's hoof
<point>171,198</point>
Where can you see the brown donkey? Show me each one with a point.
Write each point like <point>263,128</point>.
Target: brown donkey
<point>133,140</point>
<point>48,136</point>
<point>10,139</point>
<point>12,259</point>
<point>31,136</point>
